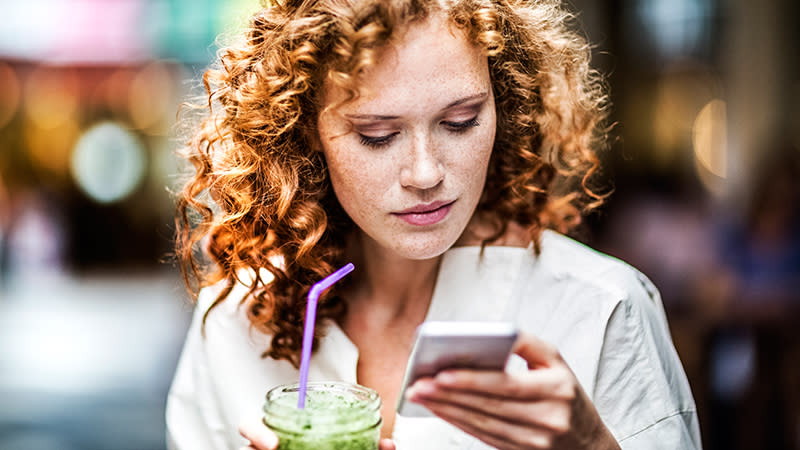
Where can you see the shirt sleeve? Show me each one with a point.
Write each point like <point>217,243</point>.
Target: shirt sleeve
<point>193,416</point>
<point>641,390</point>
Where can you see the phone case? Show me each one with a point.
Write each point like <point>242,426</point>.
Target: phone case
<point>455,345</point>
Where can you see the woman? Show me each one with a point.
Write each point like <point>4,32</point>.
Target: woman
<point>432,144</point>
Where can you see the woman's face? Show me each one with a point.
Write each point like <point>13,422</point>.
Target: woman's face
<point>408,158</point>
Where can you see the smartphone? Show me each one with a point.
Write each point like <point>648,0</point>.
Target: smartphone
<point>454,345</point>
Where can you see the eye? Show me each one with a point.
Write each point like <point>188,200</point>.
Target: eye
<point>376,141</point>
<point>460,127</point>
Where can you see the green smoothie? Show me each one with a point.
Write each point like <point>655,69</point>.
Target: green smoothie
<point>337,416</point>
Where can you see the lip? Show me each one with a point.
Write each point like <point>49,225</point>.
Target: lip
<point>426,213</point>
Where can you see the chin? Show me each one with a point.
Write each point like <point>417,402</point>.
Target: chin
<point>422,248</point>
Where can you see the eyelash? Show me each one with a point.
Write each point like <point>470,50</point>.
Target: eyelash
<point>382,141</point>
<point>460,127</point>
<point>376,141</point>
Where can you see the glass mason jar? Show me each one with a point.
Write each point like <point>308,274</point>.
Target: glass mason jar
<point>337,416</point>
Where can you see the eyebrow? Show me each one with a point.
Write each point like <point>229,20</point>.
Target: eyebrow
<point>470,98</point>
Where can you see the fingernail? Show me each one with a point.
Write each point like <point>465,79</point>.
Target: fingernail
<point>445,378</point>
<point>424,387</point>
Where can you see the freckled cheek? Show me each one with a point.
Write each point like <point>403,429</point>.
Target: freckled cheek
<point>476,154</point>
<point>473,168</point>
<point>357,181</point>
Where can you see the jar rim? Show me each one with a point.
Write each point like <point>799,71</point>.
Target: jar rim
<point>362,406</point>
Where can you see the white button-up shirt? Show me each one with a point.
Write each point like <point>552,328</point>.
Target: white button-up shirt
<point>605,318</point>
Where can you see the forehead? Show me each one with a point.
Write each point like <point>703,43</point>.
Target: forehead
<point>428,65</point>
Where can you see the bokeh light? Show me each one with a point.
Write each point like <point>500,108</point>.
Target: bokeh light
<point>676,27</point>
<point>108,162</point>
<point>709,139</point>
<point>151,98</point>
<point>50,149</point>
<point>681,93</point>
<point>112,92</point>
<point>9,93</point>
<point>51,96</point>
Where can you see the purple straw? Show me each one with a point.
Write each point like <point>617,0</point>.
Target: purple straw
<point>308,329</point>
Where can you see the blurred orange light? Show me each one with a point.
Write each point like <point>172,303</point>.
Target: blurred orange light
<point>50,148</point>
<point>709,137</point>
<point>115,92</point>
<point>9,93</point>
<point>681,92</point>
<point>51,96</point>
<point>151,98</point>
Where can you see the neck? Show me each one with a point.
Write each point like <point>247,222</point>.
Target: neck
<point>389,289</point>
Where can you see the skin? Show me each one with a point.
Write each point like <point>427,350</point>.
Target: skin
<point>544,408</point>
<point>429,102</point>
<point>422,131</point>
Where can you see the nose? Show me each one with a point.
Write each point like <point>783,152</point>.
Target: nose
<point>421,169</point>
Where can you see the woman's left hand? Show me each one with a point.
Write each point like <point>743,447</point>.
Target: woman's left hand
<point>543,408</point>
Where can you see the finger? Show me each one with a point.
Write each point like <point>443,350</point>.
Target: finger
<point>551,414</point>
<point>529,385</point>
<point>497,433</point>
<point>386,444</point>
<point>260,437</point>
<point>535,351</point>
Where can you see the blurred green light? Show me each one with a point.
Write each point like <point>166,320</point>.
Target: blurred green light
<point>108,162</point>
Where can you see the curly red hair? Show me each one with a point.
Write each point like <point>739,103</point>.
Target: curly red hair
<point>271,205</point>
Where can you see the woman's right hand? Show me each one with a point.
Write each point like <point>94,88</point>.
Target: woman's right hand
<point>262,438</point>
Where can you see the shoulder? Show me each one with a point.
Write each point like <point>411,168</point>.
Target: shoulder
<point>635,348</point>
<point>221,378</point>
<point>565,277</point>
<point>579,300</point>
<point>230,344</point>
<point>215,311</point>
<point>635,302</point>
<point>230,341</point>
<point>225,316</point>
<point>604,316</point>
<point>626,304</point>
<point>201,409</point>
<point>568,259</point>
<point>221,330</point>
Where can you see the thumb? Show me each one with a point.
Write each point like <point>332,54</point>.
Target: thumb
<point>535,351</point>
<point>386,444</point>
<point>260,437</point>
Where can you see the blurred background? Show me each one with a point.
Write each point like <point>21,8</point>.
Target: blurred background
<point>704,160</point>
